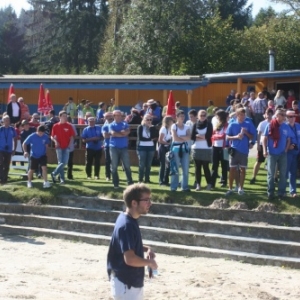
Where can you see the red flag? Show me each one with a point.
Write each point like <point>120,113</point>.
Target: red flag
<point>42,105</point>
<point>10,91</point>
<point>171,110</point>
<point>48,102</point>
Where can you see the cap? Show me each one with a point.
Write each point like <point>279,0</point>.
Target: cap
<point>24,122</point>
<point>151,101</point>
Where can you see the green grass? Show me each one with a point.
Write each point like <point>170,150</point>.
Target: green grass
<point>254,194</point>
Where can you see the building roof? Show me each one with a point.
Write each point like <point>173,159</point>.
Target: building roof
<point>249,76</point>
<point>122,82</point>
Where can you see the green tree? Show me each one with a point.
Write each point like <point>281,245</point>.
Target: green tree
<point>264,16</point>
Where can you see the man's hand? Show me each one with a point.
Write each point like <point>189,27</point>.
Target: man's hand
<point>25,154</point>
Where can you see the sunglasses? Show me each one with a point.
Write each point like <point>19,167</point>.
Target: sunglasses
<point>291,117</point>
<point>149,120</point>
<point>202,115</point>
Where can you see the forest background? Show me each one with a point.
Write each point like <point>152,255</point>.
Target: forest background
<point>171,37</point>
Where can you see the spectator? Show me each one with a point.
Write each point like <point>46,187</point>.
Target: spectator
<point>146,135</point>
<point>71,152</point>
<point>14,109</point>
<point>154,110</point>
<point>296,110</point>
<point>144,110</point>
<point>230,97</point>
<point>106,134</point>
<point>24,109</point>
<point>201,149</point>
<point>92,136</point>
<point>63,137</point>
<point>35,120</point>
<point>181,135</point>
<point>81,116</point>
<point>111,107</point>
<point>88,109</point>
<point>134,117</point>
<point>279,98</point>
<point>164,142</point>
<point>209,110</point>
<point>177,107</point>
<point>38,157</point>
<point>119,131</point>
<point>70,109</point>
<point>276,144</point>
<point>139,106</point>
<point>259,108</point>
<point>100,113</point>
<point>290,99</point>
<point>8,144</point>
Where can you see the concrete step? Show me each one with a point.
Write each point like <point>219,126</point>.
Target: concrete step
<point>181,237</point>
<point>160,247</point>
<point>190,211</point>
<point>263,231</point>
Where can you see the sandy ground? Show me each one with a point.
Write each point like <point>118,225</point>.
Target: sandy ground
<point>44,268</point>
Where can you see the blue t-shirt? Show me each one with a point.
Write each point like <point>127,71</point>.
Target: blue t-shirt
<point>100,114</point>
<point>7,136</point>
<point>37,144</point>
<point>235,128</point>
<point>105,128</point>
<point>118,142</point>
<point>126,236</point>
<point>89,132</point>
<point>284,133</point>
<point>295,137</point>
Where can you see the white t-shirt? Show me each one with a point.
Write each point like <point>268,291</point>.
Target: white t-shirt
<point>219,143</point>
<point>180,131</point>
<point>261,128</point>
<point>15,109</point>
<point>201,144</point>
<point>167,134</point>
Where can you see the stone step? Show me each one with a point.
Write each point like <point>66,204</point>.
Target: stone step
<point>190,238</point>
<point>190,211</point>
<point>159,247</point>
<point>263,231</point>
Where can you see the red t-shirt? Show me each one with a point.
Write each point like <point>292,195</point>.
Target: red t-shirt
<point>63,133</point>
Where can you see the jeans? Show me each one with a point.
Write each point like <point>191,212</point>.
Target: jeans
<point>90,157</point>
<point>5,158</point>
<point>107,162</point>
<point>145,162</point>
<point>291,170</point>
<point>217,157</point>
<point>117,154</point>
<point>164,169</point>
<point>281,162</point>
<point>184,161</point>
<point>62,160</point>
<point>70,165</point>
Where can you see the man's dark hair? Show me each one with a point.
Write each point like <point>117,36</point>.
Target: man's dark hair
<point>41,128</point>
<point>70,98</point>
<point>180,112</point>
<point>193,112</point>
<point>52,112</point>
<point>135,192</point>
<point>295,102</point>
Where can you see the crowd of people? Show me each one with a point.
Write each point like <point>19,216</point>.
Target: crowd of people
<point>209,138</point>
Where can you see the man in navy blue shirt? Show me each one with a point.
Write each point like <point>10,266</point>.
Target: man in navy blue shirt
<point>118,144</point>
<point>8,144</point>
<point>125,260</point>
<point>92,136</point>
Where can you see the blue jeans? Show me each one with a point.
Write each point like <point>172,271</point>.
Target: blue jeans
<point>62,160</point>
<point>117,154</point>
<point>291,170</point>
<point>281,162</point>
<point>164,169</point>
<point>184,161</point>
<point>145,162</point>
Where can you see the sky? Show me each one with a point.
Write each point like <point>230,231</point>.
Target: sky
<point>257,5</point>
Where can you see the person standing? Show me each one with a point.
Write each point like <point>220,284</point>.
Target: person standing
<point>154,110</point>
<point>118,143</point>
<point>63,136</point>
<point>105,131</point>
<point>14,109</point>
<point>125,259</point>
<point>92,136</point>
<point>293,152</point>
<point>111,107</point>
<point>276,144</point>
<point>100,113</point>
<point>38,142</point>
<point>146,134</point>
<point>181,135</point>
<point>70,108</point>
<point>8,144</point>
<point>201,149</point>
<point>24,108</point>
<point>259,107</point>
<point>239,133</point>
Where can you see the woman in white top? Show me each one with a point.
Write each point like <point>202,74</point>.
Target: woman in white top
<point>164,141</point>
<point>201,149</point>
<point>279,98</point>
<point>180,136</point>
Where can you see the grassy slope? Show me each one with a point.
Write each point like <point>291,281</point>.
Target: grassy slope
<point>254,194</point>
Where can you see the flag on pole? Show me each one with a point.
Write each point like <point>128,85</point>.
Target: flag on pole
<point>171,110</point>
<point>10,91</point>
<point>48,102</point>
<point>42,105</point>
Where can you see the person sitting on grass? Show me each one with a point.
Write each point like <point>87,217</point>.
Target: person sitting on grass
<point>38,142</point>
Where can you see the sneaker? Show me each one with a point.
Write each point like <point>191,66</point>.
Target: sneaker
<point>46,185</point>
<point>88,178</point>
<point>96,177</point>
<point>228,193</point>
<point>252,181</point>
<point>223,185</point>
<point>29,184</point>
<point>62,182</point>
<point>236,189</point>
<point>107,179</point>
<point>208,188</point>
<point>198,188</point>
<point>116,187</point>
<point>241,192</point>
<point>53,178</point>
<point>294,195</point>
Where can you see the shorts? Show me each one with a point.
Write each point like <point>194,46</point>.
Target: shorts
<point>36,162</point>
<point>239,159</point>
<point>260,155</point>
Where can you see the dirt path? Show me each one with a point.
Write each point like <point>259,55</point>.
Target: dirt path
<point>44,268</point>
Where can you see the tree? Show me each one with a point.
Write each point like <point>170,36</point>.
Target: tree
<point>264,16</point>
